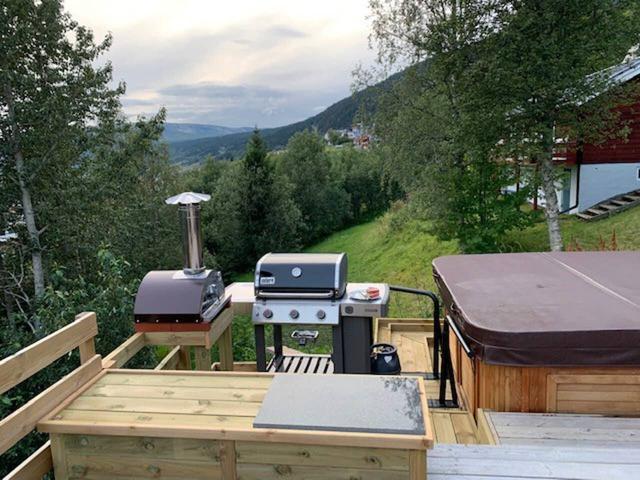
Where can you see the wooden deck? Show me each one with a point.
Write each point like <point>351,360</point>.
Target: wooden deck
<point>413,337</point>
<point>514,462</point>
<point>564,430</point>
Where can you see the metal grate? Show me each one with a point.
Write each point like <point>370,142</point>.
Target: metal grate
<point>313,364</point>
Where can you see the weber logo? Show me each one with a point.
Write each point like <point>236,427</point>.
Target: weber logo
<point>267,280</point>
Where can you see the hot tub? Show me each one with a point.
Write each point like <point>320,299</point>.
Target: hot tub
<point>548,332</point>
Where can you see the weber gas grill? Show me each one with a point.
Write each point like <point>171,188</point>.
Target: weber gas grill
<point>312,289</point>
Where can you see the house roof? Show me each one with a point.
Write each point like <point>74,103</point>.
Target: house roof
<point>624,72</point>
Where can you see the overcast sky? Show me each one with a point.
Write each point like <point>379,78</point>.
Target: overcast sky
<point>231,62</point>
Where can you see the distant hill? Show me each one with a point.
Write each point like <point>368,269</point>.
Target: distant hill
<point>179,132</point>
<point>339,115</point>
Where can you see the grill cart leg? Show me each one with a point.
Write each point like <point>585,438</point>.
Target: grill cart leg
<point>338,352</point>
<point>261,351</point>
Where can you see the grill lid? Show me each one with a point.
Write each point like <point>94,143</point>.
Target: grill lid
<point>301,275</point>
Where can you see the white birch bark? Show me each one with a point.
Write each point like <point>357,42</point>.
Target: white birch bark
<point>551,208</point>
<point>27,204</point>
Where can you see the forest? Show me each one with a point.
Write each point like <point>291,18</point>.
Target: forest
<point>82,186</point>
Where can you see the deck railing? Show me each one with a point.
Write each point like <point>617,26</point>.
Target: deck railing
<point>81,334</point>
<point>27,362</point>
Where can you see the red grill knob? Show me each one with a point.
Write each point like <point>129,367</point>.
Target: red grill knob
<point>267,313</point>
<point>294,314</point>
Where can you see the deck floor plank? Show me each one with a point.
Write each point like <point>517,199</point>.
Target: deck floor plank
<point>479,462</point>
<point>565,429</point>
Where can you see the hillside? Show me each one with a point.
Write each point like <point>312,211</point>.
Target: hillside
<point>339,115</point>
<point>179,132</point>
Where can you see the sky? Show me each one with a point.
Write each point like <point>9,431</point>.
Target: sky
<point>236,63</point>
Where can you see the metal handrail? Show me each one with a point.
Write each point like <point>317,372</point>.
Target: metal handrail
<point>437,332</point>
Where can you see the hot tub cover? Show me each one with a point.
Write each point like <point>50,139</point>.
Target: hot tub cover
<point>560,309</point>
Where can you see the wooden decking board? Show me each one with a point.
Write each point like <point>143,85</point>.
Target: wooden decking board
<point>178,379</point>
<point>480,462</point>
<point>185,393</point>
<point>565,429</point>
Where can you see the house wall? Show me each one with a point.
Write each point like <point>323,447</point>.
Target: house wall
<point>599,182</point>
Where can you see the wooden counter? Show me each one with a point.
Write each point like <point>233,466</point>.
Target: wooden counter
<point>197,425</point>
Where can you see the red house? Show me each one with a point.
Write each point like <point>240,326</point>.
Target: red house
<point>600,172</point>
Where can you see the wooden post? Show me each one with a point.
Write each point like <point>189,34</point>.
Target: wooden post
<point>417,464</point>
<point>87,350</point>
<point>203,358</point>
<point>184,363</point>
<point>225,347</point>
<point>228,459</point>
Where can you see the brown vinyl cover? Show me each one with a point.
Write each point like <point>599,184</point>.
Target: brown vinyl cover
<point>553,309</point>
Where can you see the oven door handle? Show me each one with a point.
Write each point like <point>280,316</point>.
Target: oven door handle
<point>301,295</point>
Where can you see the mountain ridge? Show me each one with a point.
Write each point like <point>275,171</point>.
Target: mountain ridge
<point>337,116</point>
<point>177,132</point>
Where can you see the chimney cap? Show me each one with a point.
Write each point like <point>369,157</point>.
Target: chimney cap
<point>187,198</point>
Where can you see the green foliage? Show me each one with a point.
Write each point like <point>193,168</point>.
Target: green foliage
<point>322,203</point>
<point>110,294</point>
<point>251,212</point>
<point>450,175</point>
<point>361,174</point>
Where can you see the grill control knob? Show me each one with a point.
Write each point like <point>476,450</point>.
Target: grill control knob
<point>321,315</point>
<point>294,314</point>
<point>267,313</point>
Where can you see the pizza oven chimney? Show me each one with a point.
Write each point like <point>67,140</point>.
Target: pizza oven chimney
<point>189,213</point>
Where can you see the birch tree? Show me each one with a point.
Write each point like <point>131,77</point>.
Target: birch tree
<point>50,92</point>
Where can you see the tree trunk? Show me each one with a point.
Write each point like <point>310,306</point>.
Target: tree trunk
<point>551,210</point>
<point>8,301</point>
<point>27,205</point>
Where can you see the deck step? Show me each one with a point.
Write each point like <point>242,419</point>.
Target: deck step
<point>611,206</point>
<point>569,430</point>
<point>511,462</point>
<point>596,211</point>
<point>608,206</point>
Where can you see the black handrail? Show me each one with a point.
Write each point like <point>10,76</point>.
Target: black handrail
<point>440,341</point>
<point>436,321</point>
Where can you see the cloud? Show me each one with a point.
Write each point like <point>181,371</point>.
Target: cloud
<point>234,63</point>
<point>212,91</point>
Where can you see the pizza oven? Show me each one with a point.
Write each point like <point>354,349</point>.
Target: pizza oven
<point>191,295</point>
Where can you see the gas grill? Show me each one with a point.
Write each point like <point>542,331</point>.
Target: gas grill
<point>312,289</point>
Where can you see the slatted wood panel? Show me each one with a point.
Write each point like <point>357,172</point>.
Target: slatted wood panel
<point>565,429</point>
<point>609,394</point>
<point>511,462</point>
<point>261,461</point>
<point>608,390</point>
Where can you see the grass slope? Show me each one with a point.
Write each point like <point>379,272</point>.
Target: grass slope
<point>588,235</point>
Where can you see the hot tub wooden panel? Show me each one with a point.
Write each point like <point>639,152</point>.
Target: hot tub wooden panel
<point>613,391</point>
